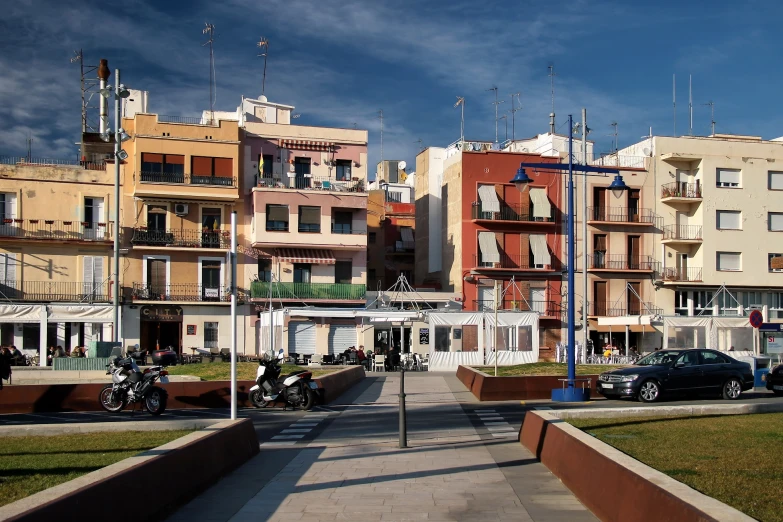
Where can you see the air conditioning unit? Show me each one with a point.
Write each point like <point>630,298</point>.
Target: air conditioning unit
<point>181,209</point>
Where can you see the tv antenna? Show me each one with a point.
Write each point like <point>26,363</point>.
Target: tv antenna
<point>690,104</point>
<point>383,167</point>
<point>29,147</point>
<point>421,144</point>
<point>674,102</point>
<point>513,114</point>
<point>209,30</point>
<point>505,117</point>
<point>614,134</point>
<point>89,87</point>
<point>263,43</point>
<point>496,103</point>
<point>712,115</point>
<point>461,101</point>
<point>552,87</point>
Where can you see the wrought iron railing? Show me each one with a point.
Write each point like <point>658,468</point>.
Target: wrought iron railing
<point>513,262</point>
<point>306,291</point>
<point>600,261</point>
<point>180,292</point>
<point>313,183</point>
<point>679,189</point>
<point>181,238</point>
<point>621,215</point>
<point>187,179</point>
<point>691,273</point>
<point>190,120</point>
<point>56,229</point>
<point>55,291</point>
<point>509,212</point>
<point>611,309</point>
<point>682,232</point>
<point>404,246</point>
<point>345,228</point>
<point>24,161</point>
<point>545,308</point>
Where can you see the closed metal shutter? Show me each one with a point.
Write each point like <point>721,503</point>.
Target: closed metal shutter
<point>301,337</point>
<point>341,337</point>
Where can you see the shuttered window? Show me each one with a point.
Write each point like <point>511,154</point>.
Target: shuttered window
<point>156,276</point>
<point>8,205</point>
<point>488,246</point>
<point>201,166</point>
<point>775,180</point>
<point>7,267</point>
<point>728,177</point>
<point>729,220</point>
<point>729,261</point>
<point>775,222</point>
<point>92,275</point>
<point>277,217</point>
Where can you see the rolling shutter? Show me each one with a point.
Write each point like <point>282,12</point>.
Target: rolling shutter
<point>224,167</point>
<point>728,177</point>
<point>776,180</point>
<point>341,337</point>
<point>309,215</point>
<point>201,166</point>
<point>301,338</point>
<point>729,261</point>
<point>776,221</point>
<point>729,220</point>
<point>277,213</point>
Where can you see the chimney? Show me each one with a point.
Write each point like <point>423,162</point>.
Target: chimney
<point>103,76</point>
<point>552,123</point>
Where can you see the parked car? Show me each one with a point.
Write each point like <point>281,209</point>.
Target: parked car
<point>775,380</point>
<point>678,371</point>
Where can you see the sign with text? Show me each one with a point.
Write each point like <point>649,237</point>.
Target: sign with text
<point>161,313</point>
<point>191,330</point>
<point>774,344</point>
<point>424,336</point>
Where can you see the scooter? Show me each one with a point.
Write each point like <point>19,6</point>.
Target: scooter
<point>296,389</point>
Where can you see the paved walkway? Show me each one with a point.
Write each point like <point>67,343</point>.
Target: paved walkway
<point>355,471</point>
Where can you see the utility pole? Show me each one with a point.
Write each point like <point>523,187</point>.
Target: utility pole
<point>552,88</point>
<point>496,103</point>
<point>584,234</point>
<point>712,115</point>
<point>117,220</point>
<point>495,340</point>
<point>263,44</point>
<point>513,116</point>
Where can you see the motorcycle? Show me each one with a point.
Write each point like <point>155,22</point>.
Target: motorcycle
<point>296,389</point>
<point>130,386</point>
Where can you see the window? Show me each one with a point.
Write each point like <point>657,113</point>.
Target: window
<point>266,162</point>
<point>408,275</point>
<point>727,304</point>
<point>210,219</point>
<point>689,358</point>
<point>7,206</point>
<point>728,178</point>
<point>342,222</point>
<point>93,214</point>
<point>301,273</point>
<point>93,274</point>
<point>775,180</point>
<point>729,261</point>
<point>210,335</point>
<point>163,164</point>
<point>713,358</point>
<point>277,217</point>
<point>342,272</point>
<point>343,170</point>
<point>599,250</point>
<point>680,302</point>
<point>702,304</point>
<point>309,219</point>
<point>210,279</point>
<point>372,237</point>
<point>8,272</point>
<point>211,171</point>
<point>750,300</point>
<point>775,221</point>
<point>156,219</point>
<point>729,220</point>
<point>156,278</point>
<point>775,303</point>
<point>265,270</point>
<point>775,262</point>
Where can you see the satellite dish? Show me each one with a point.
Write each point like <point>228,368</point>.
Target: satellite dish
<point>646,151</point>
<point>401,165</point>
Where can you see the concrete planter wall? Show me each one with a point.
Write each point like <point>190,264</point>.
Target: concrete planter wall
<point>488,388</point>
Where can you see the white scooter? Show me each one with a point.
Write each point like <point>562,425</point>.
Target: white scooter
<point>297,388</point>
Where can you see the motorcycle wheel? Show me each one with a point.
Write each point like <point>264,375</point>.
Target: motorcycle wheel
<point>308,398</point>
<point>155,401</point>
<point>257,399</point>
<point>112,405</point>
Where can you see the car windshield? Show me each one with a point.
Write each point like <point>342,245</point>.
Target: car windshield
<point>658,358</point>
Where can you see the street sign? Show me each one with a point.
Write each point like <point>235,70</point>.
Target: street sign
<point>771,327</point>
<point>756,319</point>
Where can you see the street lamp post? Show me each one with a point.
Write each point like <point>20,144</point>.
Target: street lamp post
<point>570,393</point>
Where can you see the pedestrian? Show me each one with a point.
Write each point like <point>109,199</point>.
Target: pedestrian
<point>5,366</point>
<point>49,356</point>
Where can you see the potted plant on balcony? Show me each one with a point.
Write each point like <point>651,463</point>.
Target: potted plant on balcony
<point>8,220</point>
<point>19,221</point>
<point>66,223</point>
<point>49,221</point>
<point>101,224</point>
<point>33,221</point>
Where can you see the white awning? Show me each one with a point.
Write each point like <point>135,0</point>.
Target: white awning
<point>407,234</point>
<point>541,206</point>
<point>626,320</point>
<point>488,246</point>
<point>19,313</point>
<point>81,313</point>
<point>489,198</point>
<point>540,249</point>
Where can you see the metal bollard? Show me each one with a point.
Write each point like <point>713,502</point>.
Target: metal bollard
<point>403,418</point>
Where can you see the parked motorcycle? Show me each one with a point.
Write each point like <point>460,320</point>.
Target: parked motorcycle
<point>297,388</point>
<point>130,386</point>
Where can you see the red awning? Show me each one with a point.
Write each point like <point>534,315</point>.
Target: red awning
<point>322,146</point>
<point>305,255</point>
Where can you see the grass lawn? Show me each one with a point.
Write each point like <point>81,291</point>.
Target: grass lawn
<point>733,458</point>
<point>31,464</point>
<point>545,368</point>
<point>221,371</point>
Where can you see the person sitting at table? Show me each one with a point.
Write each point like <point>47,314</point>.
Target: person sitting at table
<point>77,352</point>
<point>17,358</point>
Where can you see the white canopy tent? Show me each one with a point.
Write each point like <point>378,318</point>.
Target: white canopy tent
<point>728,334</point>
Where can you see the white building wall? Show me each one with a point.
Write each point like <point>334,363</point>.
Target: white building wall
<point>435,162</point>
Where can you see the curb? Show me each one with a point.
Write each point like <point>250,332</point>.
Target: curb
<point>31,430</point>
<point>669,411</point>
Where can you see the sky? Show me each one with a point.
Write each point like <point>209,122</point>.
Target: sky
<point>341,61</point>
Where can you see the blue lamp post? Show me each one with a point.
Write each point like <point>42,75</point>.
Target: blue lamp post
<point>570,393</point>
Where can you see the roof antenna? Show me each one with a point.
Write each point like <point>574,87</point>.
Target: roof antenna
<point>513,114</point>
<point>496,103</point>
<point>712,115</point>
<point>674,102</point>
<point>209,30</point>
<point>552,86</point>
<point>614,134</point>
<point>263,44</point>
<point>690,103</point>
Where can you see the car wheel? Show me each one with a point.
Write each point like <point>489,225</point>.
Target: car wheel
<point>732,389</point>
<point>649,391</point>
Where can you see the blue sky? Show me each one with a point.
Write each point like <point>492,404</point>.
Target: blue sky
<point>339,62</point>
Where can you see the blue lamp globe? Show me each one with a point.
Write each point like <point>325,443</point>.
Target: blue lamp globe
<point>521,180</point>
<point>618,186</point>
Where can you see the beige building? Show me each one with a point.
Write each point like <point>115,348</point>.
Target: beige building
<point>56,239</point>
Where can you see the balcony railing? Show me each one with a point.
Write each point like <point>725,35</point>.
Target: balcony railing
<point>687,274</point>
<point>599,261</point>
<point>682,232</point>
<point>187,179</point>
<point>678,189</point>
<point>24,161</point>
<point>305,291</point>
<point>514,212</point>
<point>621,215</point>
<point>55,229</point>
<point>613,159</point>
<point>313,183</point>
<point>54,291</point>
<point>189,120</point>
<point>181,238</point>
<point>611,309</point>
<point>513,262</point>
<point>180,292</point>
<point>545,308</point>
<point>404,246</point>
<point>344,228</point>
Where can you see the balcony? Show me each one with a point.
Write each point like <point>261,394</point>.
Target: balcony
<point>513,213</point>
<point>404,247</point>
<point>187,120</point>
<point>56,230</point>
<point>621,215</point>
<point>345,228</point>
<point>598,262</point>
<point>259,291</point>
<point>513,262</point>
<point>691,274</point>
<point>543,308</point>
<point>679,192</point>
<point>24,161</point>
<point>190,292</point>
<point>187,179</point>
<point>55,291</point>
<point>181,238</point>
<point>608,309</point>
<point>687,234</point>
<point>321,183</point>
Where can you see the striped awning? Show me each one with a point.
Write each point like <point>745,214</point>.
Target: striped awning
<point>488,246</point>
<point>541,255</point>
<point>489,198</point>
<point>322,146</point>
<point>305,255</point>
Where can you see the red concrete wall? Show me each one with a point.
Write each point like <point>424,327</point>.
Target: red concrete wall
<point>486,388</point>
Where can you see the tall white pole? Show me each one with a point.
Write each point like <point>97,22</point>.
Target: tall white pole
<point>495,330</point>
<point>117,144</point>
<point>584,238</point>
<point>234,315</point>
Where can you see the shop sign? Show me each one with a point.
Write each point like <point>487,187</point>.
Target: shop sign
<point>424,336</point>
<point>161,313</point>
<point>191,330</point>
<point>774,344</point>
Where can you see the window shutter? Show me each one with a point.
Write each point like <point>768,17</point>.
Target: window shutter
<point>600,243</point>
<point>729,220</point>
<point>310,215</point>
<point>776,180</point>
<point>277,213</point>
<point>7,267</point>
<point>730,177</point>
<point>776,221</point>
<point>175,159</point>
<point>146,157</point>
<point>224,167</point>
<point>97,270</point>
<point>10,205</point>
<point>87,269</point>
<point>729,260</point>
<point>201,166</point>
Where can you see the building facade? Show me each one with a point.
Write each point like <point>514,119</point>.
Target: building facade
<point>391,227</point>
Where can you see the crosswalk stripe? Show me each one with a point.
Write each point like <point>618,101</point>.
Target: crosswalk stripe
<point>292,436</point>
